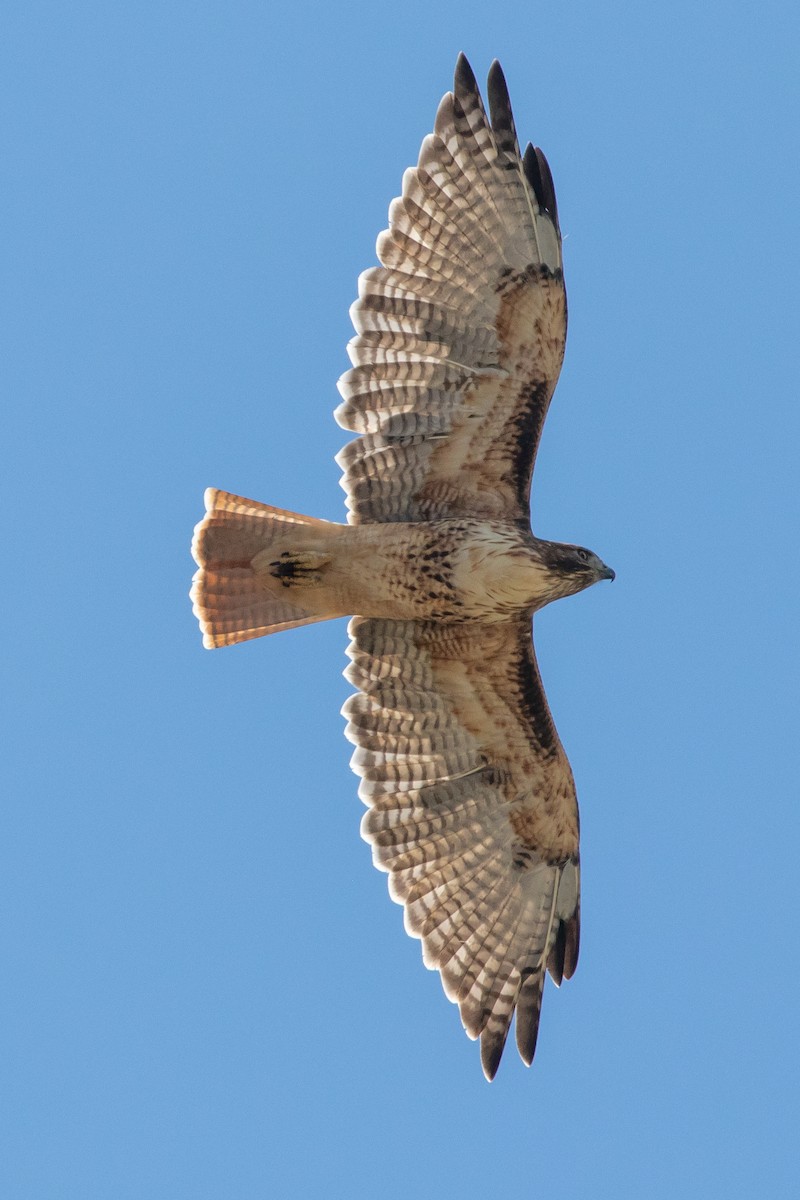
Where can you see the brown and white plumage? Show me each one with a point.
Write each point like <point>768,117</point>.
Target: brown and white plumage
<point>460,334</point>
<point>472,811</point>
<point>459,341</point>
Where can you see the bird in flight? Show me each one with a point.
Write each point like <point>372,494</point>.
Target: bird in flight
<point>460,334</point>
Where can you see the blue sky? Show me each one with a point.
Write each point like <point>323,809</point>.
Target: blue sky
<point>206,990</point>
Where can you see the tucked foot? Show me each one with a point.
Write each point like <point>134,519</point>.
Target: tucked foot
<point>300,568</point>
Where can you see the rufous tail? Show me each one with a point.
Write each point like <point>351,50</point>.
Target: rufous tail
<point>260,569</point>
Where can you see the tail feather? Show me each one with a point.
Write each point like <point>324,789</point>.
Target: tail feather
<point>235,594</point>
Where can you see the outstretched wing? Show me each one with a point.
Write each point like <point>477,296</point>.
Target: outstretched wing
<point>472,811</point>
<point>461,331</point>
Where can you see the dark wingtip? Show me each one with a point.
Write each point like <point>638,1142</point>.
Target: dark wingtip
<point>555,959</point>
<point>497,86</point>
<point>572,944</point>
<point>529,1008</point>
<point>491,1053</point>
<point>548,186</point>
<point>500,112</point>
<point>526,1043</point>
<point>538,175</point>
<point>464,79</point>
<point>528,1049</point>
<point>530,165</point>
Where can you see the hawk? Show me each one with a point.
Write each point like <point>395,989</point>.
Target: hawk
<point>460,334</point>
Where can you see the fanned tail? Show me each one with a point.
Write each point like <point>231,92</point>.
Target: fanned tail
<point>260,569</point>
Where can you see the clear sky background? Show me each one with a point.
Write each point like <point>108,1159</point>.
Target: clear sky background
<point>206,992</point>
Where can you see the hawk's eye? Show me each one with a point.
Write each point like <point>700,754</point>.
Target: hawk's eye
<point>583,555</point>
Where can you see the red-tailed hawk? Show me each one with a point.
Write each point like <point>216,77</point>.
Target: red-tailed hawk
<point>459,341</point>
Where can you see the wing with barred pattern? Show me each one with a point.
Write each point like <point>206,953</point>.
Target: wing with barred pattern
<point>460,332</point>
<point>472,811</point>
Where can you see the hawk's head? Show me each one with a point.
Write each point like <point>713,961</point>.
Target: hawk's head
<point>574,567</point>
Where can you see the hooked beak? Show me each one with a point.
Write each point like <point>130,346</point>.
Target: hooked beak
<point>607,573</point>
